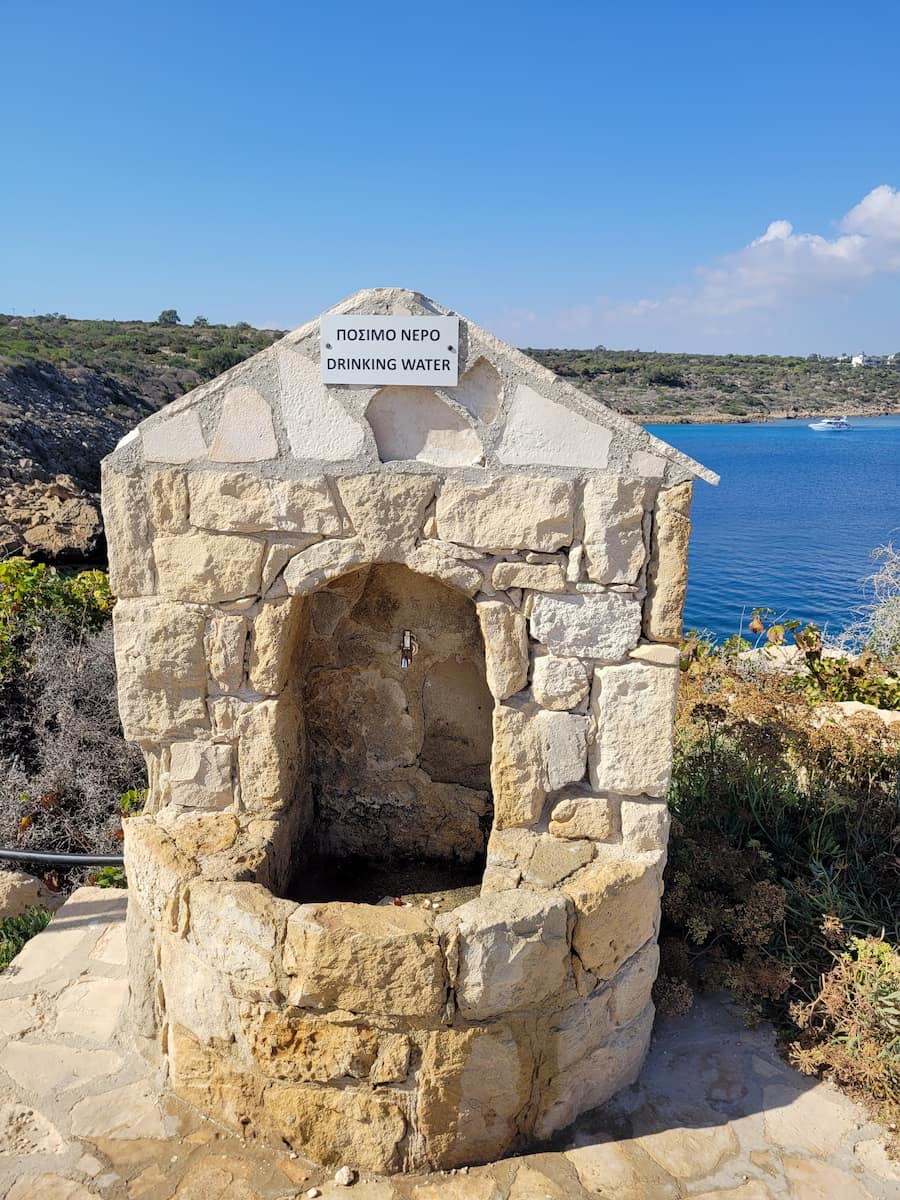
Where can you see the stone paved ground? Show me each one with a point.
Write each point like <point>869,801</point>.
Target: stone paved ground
<point>716,1112</point>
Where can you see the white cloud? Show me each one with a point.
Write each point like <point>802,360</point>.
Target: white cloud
<point>877,215</point>
<point>773,273</point>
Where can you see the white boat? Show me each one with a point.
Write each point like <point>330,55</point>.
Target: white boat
<point>830,423</point>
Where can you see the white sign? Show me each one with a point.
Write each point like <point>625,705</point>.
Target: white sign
<point>370,351</point>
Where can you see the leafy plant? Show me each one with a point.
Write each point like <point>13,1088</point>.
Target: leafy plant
<point>15,932</point>
<point>108,877</point>
<point>32,593</point>
<point>132,802</point>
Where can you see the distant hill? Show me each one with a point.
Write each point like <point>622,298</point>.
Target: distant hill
<point>732,387</point>
<point>70,389</point>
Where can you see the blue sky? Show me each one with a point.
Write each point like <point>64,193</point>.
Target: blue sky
<point>699,177</point>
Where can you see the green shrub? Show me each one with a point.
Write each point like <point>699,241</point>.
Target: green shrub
<point>785,839</point>
<point>15,932</point>
<point>31,593</point>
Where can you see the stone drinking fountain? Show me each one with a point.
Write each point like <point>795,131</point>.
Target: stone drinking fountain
<point>402,661</point>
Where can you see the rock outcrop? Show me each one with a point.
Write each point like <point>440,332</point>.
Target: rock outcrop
<point>56,424</point>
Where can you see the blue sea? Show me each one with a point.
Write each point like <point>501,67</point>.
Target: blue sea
<point>794,521</point>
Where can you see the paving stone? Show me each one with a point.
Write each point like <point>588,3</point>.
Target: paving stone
<point>91,1008</point>
<point>17,1016</point>
<point>814,1120</point>
<point>41,955</point>
<point>872,1154</point>
<point>813,1180</point>
<point>383,1189</point>
<point>530,1184</point>
<point>218,1178</point>
<point>24,1131</point>
<point>753,1190</point>
<point>152,1182</point>
<point>610,1170</point>
<point>689,1152</point>
<point>48,1187</point>
<point>131,1111</point>
<point>48,1067</point>
<point>110,945</point>
<point>460,1187</point>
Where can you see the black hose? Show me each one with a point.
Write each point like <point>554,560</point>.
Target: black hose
<point>69,860</point>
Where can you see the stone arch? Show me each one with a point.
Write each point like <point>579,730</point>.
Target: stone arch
<point>397,760</point>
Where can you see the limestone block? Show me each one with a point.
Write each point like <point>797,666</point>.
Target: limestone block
<point>328,560</point>
<point>442,561</point>
<point>386,510</point>
<point>174,438</point>
<point>415,423</point>
<point>519,512</point>
<point>200,775</point>
<point>208,568</point>
<point>290,1044</point>
<point>245,432</point>
<point>553,860</point>
<point>559,683</point>
<point>475,1083</point>
<point>338,1125</point>
<point>535,752</point>
<point>645,824</point>
<point>226,638</point>
<point>479,391</point>
<point>511,850</point>
<point>128,533</point>
<point>142,1009</point>
<point>275,633</point>
<point>208,1078</point>
<point>539,430</point>
<point>634,709</point>
<point>505,647</point>
<point>196,996</point>
<point>581,816</point>
<point>616,911</point>
<point>198,836</point>
<point>506,951</point>
<point>598,1074</point>
<point>667,571</point>
<point>363,958</point>
<point>658,653</point>
<point>271,743</point>
<point>168,500</point>
<point>20,891</point>
<point>575,564</point>
<point>613,528</point>
<point>236,928</point>
<point>240,502</point>
<point>646,465</point>
<point>629,992</point>
<point>155,866</point>
<point>602,625</point>
<point>545,577</point>
<point>161,668</point>
<point>317,424</point>
<point>280,553</point>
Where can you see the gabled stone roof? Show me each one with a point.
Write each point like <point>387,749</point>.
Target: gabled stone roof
<point>507,412</point>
